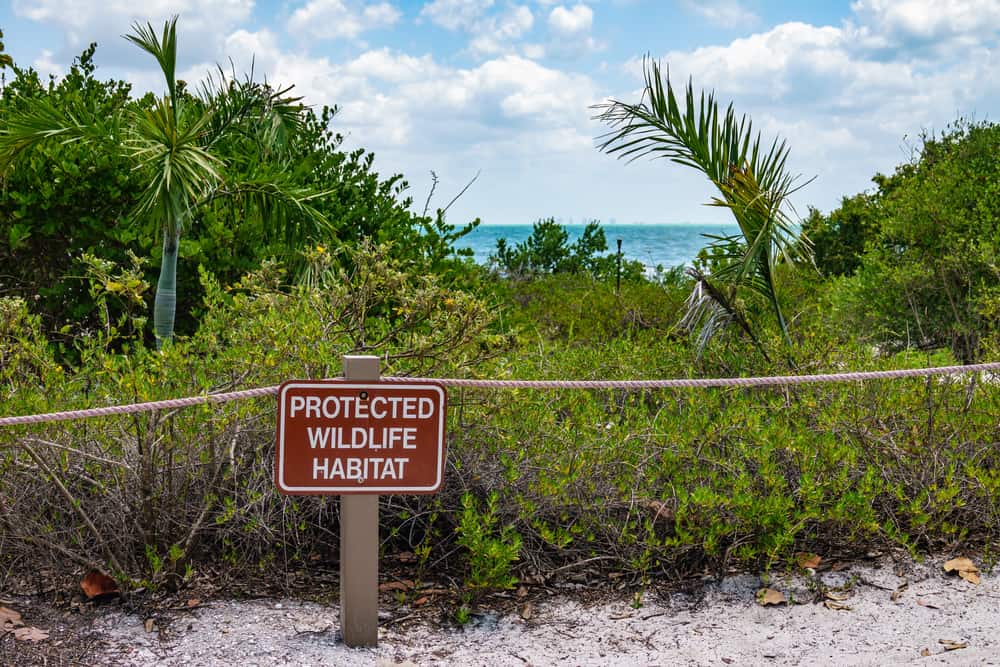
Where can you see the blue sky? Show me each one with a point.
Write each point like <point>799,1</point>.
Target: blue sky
<point>503,87</point>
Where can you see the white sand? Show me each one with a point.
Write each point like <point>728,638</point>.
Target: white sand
<point>721,624</point>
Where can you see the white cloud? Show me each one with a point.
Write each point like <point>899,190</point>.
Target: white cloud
<point>844,96</point>
<point>930,19</point>
<point>455,14</point>
<point>570,32</point>
<point>496,34</point>
<point>533,51</point>
<point>381,14</point>
<point>723,13</point>
<point>763,63</point>
<point>571,21</point>
<point>392,67</point>
<point>333,19</point>
<point>44,64</point>
<point>199,29</point>
<point>490,34</point>
<point>385,96</point>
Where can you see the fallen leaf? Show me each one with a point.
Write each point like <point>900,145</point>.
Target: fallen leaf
<point>404,585</point>
<point>960,563</point>
<point>927,604</point>
<point>769,596</point>
<point>193,602</point>
<point>837,597</point>
<point>808,560</point>
<point>149,624</point>
<point>660,509</point>
<point>952,645</point>
<point>522,591</point>
<point>971,577</point>
<point>421,601</point>
<point>30,634</point>
<point>925,652</point>
<point>527,611</point>
<point>965,568</point>
<point>97,583</point>
<point>9,617</point>
<point>899,591</point>
<point>836,606</point>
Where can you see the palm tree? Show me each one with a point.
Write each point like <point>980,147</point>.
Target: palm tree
<point>749,176</point>
<point>174,143</point>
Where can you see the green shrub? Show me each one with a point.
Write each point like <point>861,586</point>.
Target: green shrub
<point>146,495</point>
<point>643,483</point>
<point>548,250</point>
<point>840,238</point>
<point>929,277</point>
<point>62,200</point>
<point>578,308</point>
<point>492,549</point>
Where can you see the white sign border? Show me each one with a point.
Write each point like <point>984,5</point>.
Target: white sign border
<point>279,477</point>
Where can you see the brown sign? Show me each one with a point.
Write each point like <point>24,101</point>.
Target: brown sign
<point>337,437</point>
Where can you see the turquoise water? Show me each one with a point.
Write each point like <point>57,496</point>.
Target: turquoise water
<point>652,244</point>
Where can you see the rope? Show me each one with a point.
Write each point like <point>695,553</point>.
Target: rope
<point>629,385</point>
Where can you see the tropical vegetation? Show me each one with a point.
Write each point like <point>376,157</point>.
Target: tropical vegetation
<point>749,175</point>
<point>304,254</point>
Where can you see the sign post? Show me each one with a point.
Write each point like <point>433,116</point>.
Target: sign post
<point>359,543</point>
<point>359,438</point>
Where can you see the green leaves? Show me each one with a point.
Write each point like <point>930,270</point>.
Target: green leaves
<point>164,49</point>
<point>231,143</point>
<point>46,121</point>
<point>548,251</point>
<point>242,170</point>
<point>748,173</point>
<point>929,276</point>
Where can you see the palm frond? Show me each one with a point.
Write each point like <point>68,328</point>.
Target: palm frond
<point>289,209</point>
<point>43,121</point>
<point>264,114</point>
<point>749,174</point>
<point>163,49</point>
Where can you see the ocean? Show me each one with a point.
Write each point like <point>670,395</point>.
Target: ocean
<point>669,245</point>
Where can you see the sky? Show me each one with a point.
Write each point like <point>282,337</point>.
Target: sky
<point>505,88</point>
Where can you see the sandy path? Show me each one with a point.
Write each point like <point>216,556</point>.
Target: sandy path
<point>721,625</point>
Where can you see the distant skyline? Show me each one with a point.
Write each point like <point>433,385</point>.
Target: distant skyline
<point>504,87</point>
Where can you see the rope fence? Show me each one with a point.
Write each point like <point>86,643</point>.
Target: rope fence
<point>628,385</point>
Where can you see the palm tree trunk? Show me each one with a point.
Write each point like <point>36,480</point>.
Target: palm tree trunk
<point>165,303</point>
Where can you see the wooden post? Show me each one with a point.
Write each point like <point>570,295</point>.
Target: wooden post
<point>359,543</point>
<point>618,268</point>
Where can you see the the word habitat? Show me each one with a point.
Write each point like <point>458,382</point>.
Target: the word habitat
<point>336,437</point>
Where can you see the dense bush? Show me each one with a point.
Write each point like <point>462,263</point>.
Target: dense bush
<point>919,251</point>
<point>62,200</point>
<point>65,199</point>
<point>840,238</point>
<point>631,483</point>
<point>647,482</point>
<point>578,309</point>
<point>548,250</point>
<point>148,494</point>
<point>929,277</point>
